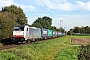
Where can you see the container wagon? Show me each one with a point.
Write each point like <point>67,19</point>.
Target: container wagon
<point>34,33</point>
<point>54,34</point>
<point>44,33</point>
<point>50,33</point>
<point>59,34</point>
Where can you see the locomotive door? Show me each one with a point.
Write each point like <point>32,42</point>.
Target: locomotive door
<point>27,33</point>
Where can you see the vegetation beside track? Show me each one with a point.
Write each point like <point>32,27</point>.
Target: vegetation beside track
<point>80,36</point>
<point>47,50</point>
<point>75,52</point>
<point>69,53</point>
<point>53,49</point>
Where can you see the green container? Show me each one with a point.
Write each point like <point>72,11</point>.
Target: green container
<point>49,32</point>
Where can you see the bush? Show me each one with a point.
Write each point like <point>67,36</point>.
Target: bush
<point>6,41</point>
<point>81,34</point>
<point>1,44</point>
<point>84,53</point>
<point>6,25</point>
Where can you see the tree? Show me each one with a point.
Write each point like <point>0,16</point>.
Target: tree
<point>18,12</point>
<point>76,29</point>
<point>6,25</point>
<point>70,32</point>
<point>54,28</point>
<point>38,25</point>
<point>61,29</point>
<point>80,30</point>
<point>87,30</point>
<point>44,22</point>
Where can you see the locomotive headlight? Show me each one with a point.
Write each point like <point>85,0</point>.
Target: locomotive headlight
<point>13,35</point>
<point>22,35</point>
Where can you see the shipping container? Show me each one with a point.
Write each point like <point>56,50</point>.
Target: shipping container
<point>44,33</point>
<point>59,34</point>
<point>39,33</point>
<point>49,33</point>
<point>33,32</point>
<point>54,33</point>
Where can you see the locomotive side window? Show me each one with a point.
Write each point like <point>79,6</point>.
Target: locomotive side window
<point>27,29</point>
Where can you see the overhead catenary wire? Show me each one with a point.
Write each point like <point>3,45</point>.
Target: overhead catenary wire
<point>47,8</point>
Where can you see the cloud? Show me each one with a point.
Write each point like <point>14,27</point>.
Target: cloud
<point>6,2</point>
<point>66,5</point>
<point>83,6</point>
<point>70,21</point>
<point>24,7</point>
<point>28,8</point>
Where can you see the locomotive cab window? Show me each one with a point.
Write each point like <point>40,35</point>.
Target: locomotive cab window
<point>22,28</point>
<point>18,28</point>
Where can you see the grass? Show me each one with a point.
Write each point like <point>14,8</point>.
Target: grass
<point>9,56</point>
<point>80,36</point>
<point>42,50</point>
<point>68,54</point>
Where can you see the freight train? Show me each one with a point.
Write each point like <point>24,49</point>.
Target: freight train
<point>26,33</point>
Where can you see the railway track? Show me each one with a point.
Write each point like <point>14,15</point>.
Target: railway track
<point>17,45</point>
<point>13,46</point>
<point>8,46</point>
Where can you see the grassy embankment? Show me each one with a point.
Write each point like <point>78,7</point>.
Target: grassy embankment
<point>72,52</point>
<point>59,48</point>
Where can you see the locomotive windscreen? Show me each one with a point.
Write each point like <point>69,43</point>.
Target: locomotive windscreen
<point>19,28</point>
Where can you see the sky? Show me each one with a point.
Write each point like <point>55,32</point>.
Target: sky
<point>72,12</point>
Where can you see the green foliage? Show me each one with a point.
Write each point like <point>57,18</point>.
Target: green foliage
<point>1,44</point>
<point>84,53</point>
<point>80,30</point>
<point>10,56</point>
<point>6,25</point>
<point>9,17</point>
<point>81,36</point>
<point>77,30</point>
<point>68,54</point>
<point>44,22</point>
<point>42,50</point>
<point>38,25</point>
<point>55,28</point>
<point>17,12</point>
<point>70,32</point>
<point>61,29</point>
